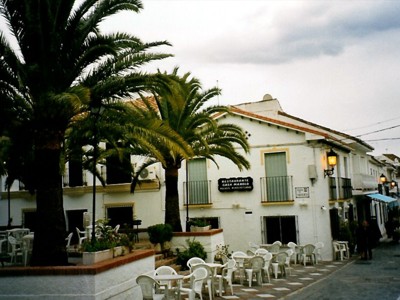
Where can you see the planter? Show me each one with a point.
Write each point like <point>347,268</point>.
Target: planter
<point>200,229</point>
<point>89,258</point>
<point>117,251</point>
<point>125,250</point>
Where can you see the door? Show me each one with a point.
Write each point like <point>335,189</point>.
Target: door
<point>75,220</point>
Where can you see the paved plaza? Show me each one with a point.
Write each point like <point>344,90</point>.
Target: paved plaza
<point>354,279</point>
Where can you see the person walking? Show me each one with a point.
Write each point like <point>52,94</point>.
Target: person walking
<point>364,241</point>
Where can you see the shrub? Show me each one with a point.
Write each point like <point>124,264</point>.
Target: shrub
<point>194,249</point>
<point>160,233</point>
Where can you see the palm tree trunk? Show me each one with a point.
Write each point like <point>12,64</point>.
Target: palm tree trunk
<point>49,242</point>
<point>172,215</point>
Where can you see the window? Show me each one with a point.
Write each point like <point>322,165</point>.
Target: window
<point>118,169</point>
<point>29,219</point>
<point>120,214</point>
<point>280,228</point>
<point>75,173</point>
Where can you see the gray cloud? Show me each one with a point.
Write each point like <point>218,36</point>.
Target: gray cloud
<point>317,29</point>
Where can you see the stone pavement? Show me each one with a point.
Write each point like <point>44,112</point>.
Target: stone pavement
<point>300,277</point>
<point>374,279</point>
<point>354,279</point>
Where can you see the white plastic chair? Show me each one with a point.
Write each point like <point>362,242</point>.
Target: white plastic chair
<point>296,251</point>
<point>197,278</point>
<point>267,264</point>
<point>81,235</point>
<point>16,249</point>
<point>164,270</point>
<point>239,263</point>
<point>68,240</point>
<point>308,252</point>
<point>226,276</point>
<point>148,285</point>
<point>274,248</point>
<point>194,260</point>
<point>256,266</point>
<point>289,253</point>
<point>116,228</point>
<point>209,279</point>
<point>339,250</point>
<point>253,246</point>
<point>277,243</point>
<point>261,252</point>
<point>280,264</point>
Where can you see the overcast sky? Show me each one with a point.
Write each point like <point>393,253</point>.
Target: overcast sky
<point>334,63</point>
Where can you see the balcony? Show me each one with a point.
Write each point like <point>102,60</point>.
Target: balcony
<point>198,192</point>
<point>276,189</point>
<point>364,182</point>
<point>344,191</point>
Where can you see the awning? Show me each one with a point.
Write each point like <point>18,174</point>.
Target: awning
<point>382,197</point>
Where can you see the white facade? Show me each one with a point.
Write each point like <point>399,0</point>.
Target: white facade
<point>246,216</point>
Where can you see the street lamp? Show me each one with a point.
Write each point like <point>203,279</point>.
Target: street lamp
<point>395,184</point>
<point>382,178</point>
<point>96,112</point>
<point>332,157</point>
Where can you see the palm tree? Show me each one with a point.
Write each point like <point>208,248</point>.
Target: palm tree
<point>61,68</point>
<point>183,106</point>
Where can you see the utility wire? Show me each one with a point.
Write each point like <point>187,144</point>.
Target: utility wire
<point>378,123</point>
<point>380,130</point>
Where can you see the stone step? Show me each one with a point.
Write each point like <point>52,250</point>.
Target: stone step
<point>169,261</point>
<point>160,260</point>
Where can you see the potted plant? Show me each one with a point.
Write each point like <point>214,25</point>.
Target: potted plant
<point>160,235</point>
<point>222,250</point>
<point>108,244</point>
<point>199,225</point>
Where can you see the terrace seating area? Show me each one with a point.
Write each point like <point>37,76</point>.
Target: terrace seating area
<point>246,274</point>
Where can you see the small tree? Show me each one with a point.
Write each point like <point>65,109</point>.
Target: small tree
<point>194,249</point>
<point>160,233</point>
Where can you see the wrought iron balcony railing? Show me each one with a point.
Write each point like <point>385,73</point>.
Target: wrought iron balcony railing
<point>197,192</point>
<point>343,191</point>
<point>276,189</point>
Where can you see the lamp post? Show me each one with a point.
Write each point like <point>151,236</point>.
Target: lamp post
<point>187,197</point>
<point>383,180</point>
<point>96,111</point>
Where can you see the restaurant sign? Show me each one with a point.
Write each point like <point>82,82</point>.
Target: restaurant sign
<point>235,184</point>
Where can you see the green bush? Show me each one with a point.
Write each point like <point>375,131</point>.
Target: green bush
<point>160,233</point>
<point>194,249</point>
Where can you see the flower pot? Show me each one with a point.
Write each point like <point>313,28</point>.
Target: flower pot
<point>125,250</point>
<point>89,258</point>
<point>199,229</point>
<point>117,251</point>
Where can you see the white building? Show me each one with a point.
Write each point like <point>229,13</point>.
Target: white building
<point>289,194</point>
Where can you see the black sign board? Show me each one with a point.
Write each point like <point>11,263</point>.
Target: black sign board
<point>235,184</point>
